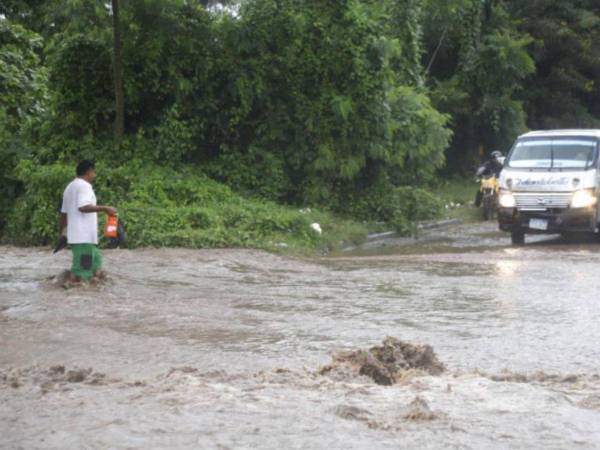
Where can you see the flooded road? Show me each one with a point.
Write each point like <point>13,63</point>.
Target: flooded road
<point>226,348</point>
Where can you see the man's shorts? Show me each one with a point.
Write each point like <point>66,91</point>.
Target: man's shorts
<point>86,260</point>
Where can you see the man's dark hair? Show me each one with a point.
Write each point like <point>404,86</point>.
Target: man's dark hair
<point>84,166</point>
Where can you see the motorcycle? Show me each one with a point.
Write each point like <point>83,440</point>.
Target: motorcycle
<point>487,197</point>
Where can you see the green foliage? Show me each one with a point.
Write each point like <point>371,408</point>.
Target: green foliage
<point>497,66</point>
<point>23,96</point>
<point>173,138</point>
<point>458,195</point>
<point>406,26</point>
<point>401,207</point>
<point>338,104</point>
<point>168,60</point>
<point>478,64</point>
<point>34,217</point>
<point>308,87</point>
<point>289,101</point>
<point>420,135</point>
<point>565,92</point>
<point>167,207</point>
<point>81,84</point>
<point>266,178</point>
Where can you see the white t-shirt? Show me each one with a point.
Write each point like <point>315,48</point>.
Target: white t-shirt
<point>82,228</point>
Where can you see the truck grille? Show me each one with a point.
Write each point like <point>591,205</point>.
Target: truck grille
<point>541,201</point>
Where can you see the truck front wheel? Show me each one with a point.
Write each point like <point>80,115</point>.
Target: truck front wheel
<point>517,237</point>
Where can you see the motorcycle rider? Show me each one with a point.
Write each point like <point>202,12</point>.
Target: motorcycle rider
<point>492,167</point>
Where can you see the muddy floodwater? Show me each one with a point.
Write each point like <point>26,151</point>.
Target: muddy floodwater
<point>241,349</point>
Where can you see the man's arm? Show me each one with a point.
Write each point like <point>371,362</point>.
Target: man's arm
<point>98,208</point>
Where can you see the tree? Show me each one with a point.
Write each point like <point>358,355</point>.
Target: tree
<point>23,94</point>
<point>565,91</point>
<point>314,90</point>
<point>118,75</point>
<point>478,62</point>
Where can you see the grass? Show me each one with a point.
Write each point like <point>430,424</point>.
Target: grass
<point>165,207</point>
<point>458,195</point>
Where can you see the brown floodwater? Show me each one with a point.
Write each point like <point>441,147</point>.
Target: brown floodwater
<point>233,348</point>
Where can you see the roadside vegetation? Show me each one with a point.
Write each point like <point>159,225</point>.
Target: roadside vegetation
<point>352,110</point>
<point>458,195</point>
<point>163,207</point>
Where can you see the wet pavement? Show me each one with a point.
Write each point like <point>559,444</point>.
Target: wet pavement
<point>227,348</point>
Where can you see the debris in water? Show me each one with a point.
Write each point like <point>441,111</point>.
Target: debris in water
<point>55,378</point>
<point>590,402</point>
<point>63,280</point>
<point>316,228</point>
<point>418,410</point>
<point>537,377</point>
<point>352,413</point>
<point>60,279</point>
<point>388,363</point>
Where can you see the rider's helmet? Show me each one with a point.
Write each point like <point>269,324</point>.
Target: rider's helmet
<point>496,154</point>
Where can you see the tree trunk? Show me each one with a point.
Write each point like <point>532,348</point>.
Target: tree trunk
<point>118,75</point>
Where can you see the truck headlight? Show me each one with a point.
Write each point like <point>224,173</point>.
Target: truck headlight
<point>583,199</point>
<point>507,200</point>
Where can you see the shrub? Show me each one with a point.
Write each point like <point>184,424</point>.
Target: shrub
<point>166,207</point>
<point>399,207</point>
<point>256,173</point>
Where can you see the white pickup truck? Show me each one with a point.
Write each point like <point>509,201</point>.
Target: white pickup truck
<point>550,184</point>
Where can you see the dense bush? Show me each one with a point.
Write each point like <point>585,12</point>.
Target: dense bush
<point>288,100</point>
<point>329,104</point>
<point>400,207</point>
<point>164,207</point>
<point>314,92</point>
<point>314,102</point>
<point>266,178</point>
<point>22,99</point>
<point>305,103</point>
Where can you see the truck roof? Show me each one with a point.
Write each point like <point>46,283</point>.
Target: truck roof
<point>558,133</point>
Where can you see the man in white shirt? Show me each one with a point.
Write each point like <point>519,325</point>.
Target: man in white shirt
<point>79,215</point>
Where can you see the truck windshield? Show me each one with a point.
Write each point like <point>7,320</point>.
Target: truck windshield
<point>554,153</point>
